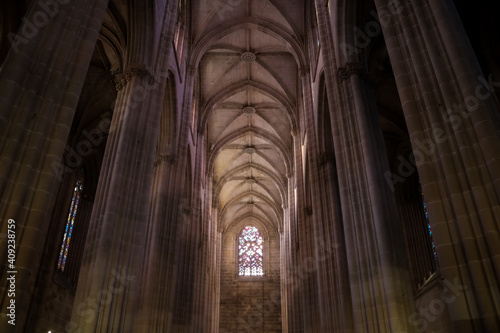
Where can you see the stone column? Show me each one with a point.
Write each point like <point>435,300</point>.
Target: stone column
<point>205,298</point>
<point>297,293</point>
<point>111,283</point>
<point>288,251</point>
<point>114,253</point>
<point>382,297</point>
<point>159,269</point>
<point>284,258</point>
<point>304,269</point>
<point>452,119</point>
<point>188,235</point>
<point>159,266</point>
<point>40,84</point>
<point>326,223</point>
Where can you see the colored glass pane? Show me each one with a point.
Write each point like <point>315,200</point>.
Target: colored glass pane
<point>68,231</point>
<point>250,252</point>
<point>429,227</point>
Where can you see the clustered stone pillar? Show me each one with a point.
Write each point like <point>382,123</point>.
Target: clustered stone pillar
<point>205,296</point>
<point>288,255</point>
<point>303,272</point>
<point>189,287</point>
<point>114,253</point>
<point>333,278</point>
<point>40,84</point>
<point>158,270</point>
<point>300,248</point>
<point>382,298</point>
<point>113,279</point>
<point>452,119</point>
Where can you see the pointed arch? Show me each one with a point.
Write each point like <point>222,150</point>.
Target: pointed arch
<point>250,252</point>
<point>269,173</point>
<point>237,200</point>
<point>270,28</point>
<point>167,138</point>
<point>325,133</point>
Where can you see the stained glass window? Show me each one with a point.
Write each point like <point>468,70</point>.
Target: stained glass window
<point>250,252</point>
<point>429,226</point>
<point>68,231</point>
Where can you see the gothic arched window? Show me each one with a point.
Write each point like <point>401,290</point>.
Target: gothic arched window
<point>428,224</point>
<point>250,252</point>
<point>68,231</point>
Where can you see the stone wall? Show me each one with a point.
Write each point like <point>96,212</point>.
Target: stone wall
<point>250,304</point>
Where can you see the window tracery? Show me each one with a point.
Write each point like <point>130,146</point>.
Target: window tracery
<point>250,245</point>
<point>68,231</point>
<point>428,225</point>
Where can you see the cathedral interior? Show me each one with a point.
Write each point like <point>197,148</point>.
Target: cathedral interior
<point>229,166</point>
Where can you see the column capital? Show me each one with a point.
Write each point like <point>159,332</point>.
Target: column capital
<point>120,81</point>
<point>191,70</point>
<point>304,71</point>
<point>133,70</point>
<point>160,158</point>
<point>140,71</point>
<point>186,210</point>
<point>351,68</point>
<point>355,68</point>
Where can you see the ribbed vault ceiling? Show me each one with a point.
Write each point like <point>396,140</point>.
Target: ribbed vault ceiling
<point>249,86</point>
